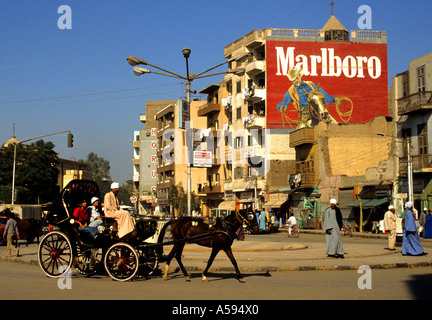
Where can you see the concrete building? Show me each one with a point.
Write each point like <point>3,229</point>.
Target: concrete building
<point>305,168</point>
<point>411,102</point>
<point>144,165</point>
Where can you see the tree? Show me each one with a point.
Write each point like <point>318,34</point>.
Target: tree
<point>100,171</point>
<point>177,198</point>
<point>36,172</point>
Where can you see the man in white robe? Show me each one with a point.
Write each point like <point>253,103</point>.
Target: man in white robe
<point>112,210</point>
<point>332,226</point>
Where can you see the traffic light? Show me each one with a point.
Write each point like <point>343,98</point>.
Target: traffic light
<point>70,140</point>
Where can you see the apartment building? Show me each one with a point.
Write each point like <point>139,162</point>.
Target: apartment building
<point>172,149</point>
<point>343,72</point>
<point>411,101</point>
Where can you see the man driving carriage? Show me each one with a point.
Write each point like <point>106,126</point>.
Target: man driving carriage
<point>126,225</point>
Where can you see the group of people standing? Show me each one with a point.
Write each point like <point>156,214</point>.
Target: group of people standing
<point>410,242</point>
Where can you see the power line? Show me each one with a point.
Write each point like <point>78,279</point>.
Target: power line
<point>86,94</point>
<point>86,101</point>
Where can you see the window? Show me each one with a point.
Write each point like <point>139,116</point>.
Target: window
<point>239,113</point>
<point>238,173</point>
<point>421,79</point>
<point>238,143</point>
<point>239,87</point>
<point>422,138</point>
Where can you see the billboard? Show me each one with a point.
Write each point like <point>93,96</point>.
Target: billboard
<point>331,82</point>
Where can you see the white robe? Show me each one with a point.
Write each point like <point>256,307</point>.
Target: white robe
<point>333,240</point>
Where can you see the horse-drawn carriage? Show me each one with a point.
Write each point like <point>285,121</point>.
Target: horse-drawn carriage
<point>68,245</point>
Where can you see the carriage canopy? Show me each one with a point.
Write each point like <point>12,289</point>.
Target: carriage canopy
<point>69,198</point>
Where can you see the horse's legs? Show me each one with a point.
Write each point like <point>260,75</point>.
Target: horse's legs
<point>176,252</point>
<point>168,261</point>
<point>230,255</point>
<point>178,258</point>
<point>209,263</point>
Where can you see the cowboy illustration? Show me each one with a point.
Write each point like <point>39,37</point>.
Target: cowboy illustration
<point>309,101</point>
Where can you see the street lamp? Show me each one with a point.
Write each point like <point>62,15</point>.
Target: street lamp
<point>409,160</point>
<point>134,61</point>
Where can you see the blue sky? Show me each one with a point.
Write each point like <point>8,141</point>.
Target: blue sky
<point>53,80</point>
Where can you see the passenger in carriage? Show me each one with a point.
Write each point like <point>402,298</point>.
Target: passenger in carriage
<point>95,217</point>
<point>80,214</point>
<point>81,217</point>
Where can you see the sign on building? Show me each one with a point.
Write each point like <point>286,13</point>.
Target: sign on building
<point>313,82</point>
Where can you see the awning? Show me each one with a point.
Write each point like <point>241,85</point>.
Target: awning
<point>278,204</point>
<point>269,204</point>
<point>274,204</point>
<point>227,205</point>
<point>368,203</point>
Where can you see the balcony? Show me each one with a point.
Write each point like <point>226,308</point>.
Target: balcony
<point>253,151</point>
<point>301,136</point>
<point>255,94</point>
<point>216,187</point>
<point>208,109</point>
<point>254,122</point>
<point>255,67</point>
<point>420,163</point>
<point>417,102</point>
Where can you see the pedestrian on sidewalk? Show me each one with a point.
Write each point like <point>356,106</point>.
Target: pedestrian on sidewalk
<point>332,226</point>
<point>10,232</point>
<point>411,245</point>
<point>428,226</point>
<point>390,227</point>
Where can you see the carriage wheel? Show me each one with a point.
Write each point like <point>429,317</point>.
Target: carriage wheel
<point>55,254</point>
<point>149,261</point>
<point>121,262</point>
<point>89,260</point>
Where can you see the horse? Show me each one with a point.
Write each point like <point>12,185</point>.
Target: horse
<point>28,228</point>
<point>220,237</point>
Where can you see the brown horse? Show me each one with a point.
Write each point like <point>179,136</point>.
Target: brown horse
<point>28,228</point>
<point>220,236</point>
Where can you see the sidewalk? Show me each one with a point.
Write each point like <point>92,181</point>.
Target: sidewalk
<point>257,256</point>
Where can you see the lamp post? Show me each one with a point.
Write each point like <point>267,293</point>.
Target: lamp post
<point>409,162</point>
<point>134,61</point>
<point>70,139</point>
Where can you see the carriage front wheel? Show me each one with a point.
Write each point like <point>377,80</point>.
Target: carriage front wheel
<point>121,262</point>
<point>55,254</point>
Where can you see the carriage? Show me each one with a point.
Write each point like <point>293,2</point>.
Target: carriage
<point>68,245</point>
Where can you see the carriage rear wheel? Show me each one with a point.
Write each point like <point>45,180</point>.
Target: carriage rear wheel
<point>89,260</point>
<point>55,254</point>
<point>149,261</point>
<point>121,262</point>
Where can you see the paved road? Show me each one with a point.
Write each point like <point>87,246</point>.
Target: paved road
<point>21,281</point>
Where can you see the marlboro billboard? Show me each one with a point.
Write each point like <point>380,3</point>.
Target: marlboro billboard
<point>312,82</point>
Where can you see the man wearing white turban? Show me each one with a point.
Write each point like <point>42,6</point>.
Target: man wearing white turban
<point>112,210</point>
<point>411,245</point>
<point>390,227</point>
<point>332,226</point>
